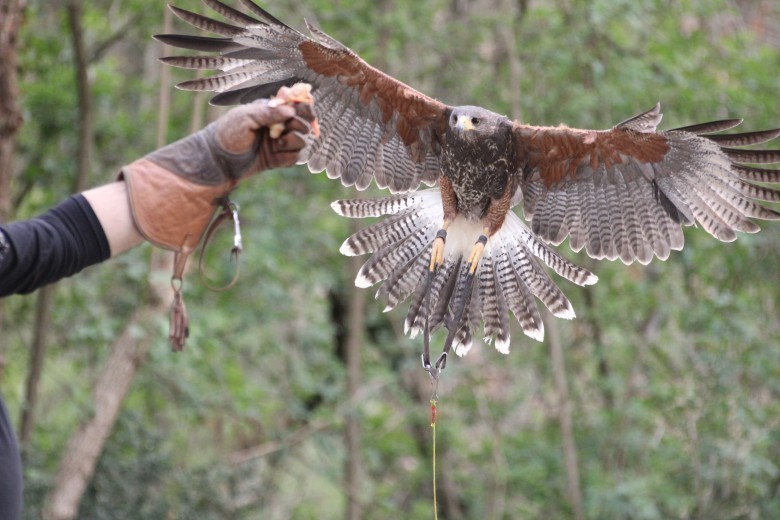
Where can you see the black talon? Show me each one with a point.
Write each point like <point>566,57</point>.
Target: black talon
<point>460,308</point>
<point>426,355</point>
<point>441,362</point>
<point>465,296</point>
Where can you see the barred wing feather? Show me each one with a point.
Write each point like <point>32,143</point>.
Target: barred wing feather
<point>626,192</point>
<point>372,126</point>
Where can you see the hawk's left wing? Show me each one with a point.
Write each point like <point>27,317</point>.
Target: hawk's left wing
<point>625,192</point>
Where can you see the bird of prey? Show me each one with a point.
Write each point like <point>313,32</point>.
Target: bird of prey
<point>458,249</point>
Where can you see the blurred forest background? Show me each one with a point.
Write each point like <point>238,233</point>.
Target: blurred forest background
<point>295,396</point>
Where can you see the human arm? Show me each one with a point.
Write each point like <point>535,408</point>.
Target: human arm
<point>103,222</point>
<point>112,208</point>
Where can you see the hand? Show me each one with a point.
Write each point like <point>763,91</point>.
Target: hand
<point>239,143</point>
<point>243,136</point>
<point>173,191</point>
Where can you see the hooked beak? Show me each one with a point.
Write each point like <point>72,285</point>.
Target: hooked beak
<point>463,124</point>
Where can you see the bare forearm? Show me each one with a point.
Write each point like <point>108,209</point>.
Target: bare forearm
<point>111,206</point>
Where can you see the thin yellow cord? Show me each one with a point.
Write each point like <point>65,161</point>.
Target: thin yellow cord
<point>433,463</point>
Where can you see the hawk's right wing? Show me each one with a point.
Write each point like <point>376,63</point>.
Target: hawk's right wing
<point>371,125</point>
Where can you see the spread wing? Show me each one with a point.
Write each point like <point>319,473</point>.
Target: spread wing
<point>371,125</point>
<point>625,192</point>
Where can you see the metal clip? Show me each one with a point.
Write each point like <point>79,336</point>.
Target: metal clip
<point>229,210</point>
<point>238,245</point>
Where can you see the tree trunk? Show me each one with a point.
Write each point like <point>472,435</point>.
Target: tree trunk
<point>84,154</point>
<point>564,411</point>
<point>511,55</point>
<point>601,356</point>
<point>11,18</point>
<point>86,444</point>
<point>86,123</point>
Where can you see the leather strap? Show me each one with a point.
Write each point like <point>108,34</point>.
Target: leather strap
<point>229,211</point>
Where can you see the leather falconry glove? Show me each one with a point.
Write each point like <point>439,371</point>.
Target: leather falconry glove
<point>175,191</point>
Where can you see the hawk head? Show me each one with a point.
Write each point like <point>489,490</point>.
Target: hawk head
<point>471,123</point>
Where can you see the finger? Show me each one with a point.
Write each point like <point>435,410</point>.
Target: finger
<point>283,159</point>
<point>262,115</point>
<point>289,142</point>
<point>305,111</point>
<point>296,124</point>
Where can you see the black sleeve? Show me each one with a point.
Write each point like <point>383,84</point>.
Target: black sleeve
<point>10,469</point>
<point>59,243</point>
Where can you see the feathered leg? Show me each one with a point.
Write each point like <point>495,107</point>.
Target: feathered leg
<point>449,201</point>
<point>493,220</point>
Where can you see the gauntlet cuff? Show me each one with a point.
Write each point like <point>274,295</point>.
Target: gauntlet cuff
<point>170,211</point>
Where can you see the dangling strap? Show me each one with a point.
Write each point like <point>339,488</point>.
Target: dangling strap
<point>179,329</point>
<point>426,354</point>
<point>229,210</point>
<point>179,326</point>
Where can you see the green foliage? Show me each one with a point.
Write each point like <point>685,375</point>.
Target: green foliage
<point>673,368</point>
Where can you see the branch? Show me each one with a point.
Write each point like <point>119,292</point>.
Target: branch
<point>271,447</point>
<point>85,127</point>
<point>86,444</point>
<point>104,46</point>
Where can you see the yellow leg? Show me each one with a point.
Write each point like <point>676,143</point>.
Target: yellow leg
<point>476,253</point>
<point>437,253</point>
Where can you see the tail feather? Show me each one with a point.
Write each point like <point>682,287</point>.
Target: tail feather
<point>405,227</point>
<point>469,323</point>
<point>447,293</point>
<point>510,276</point>
<point>382,265</point>
<point>401,283</point>
<point>416,302</point>
<point>528,270</point>
<point>423,300</point>
<point>495,313</point>
<point>362,208</point>
<point>520,300</point>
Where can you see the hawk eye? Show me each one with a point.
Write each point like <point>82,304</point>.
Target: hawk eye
<point>475,121</point>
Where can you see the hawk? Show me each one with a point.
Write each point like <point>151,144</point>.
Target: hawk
<point>458,250</point>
